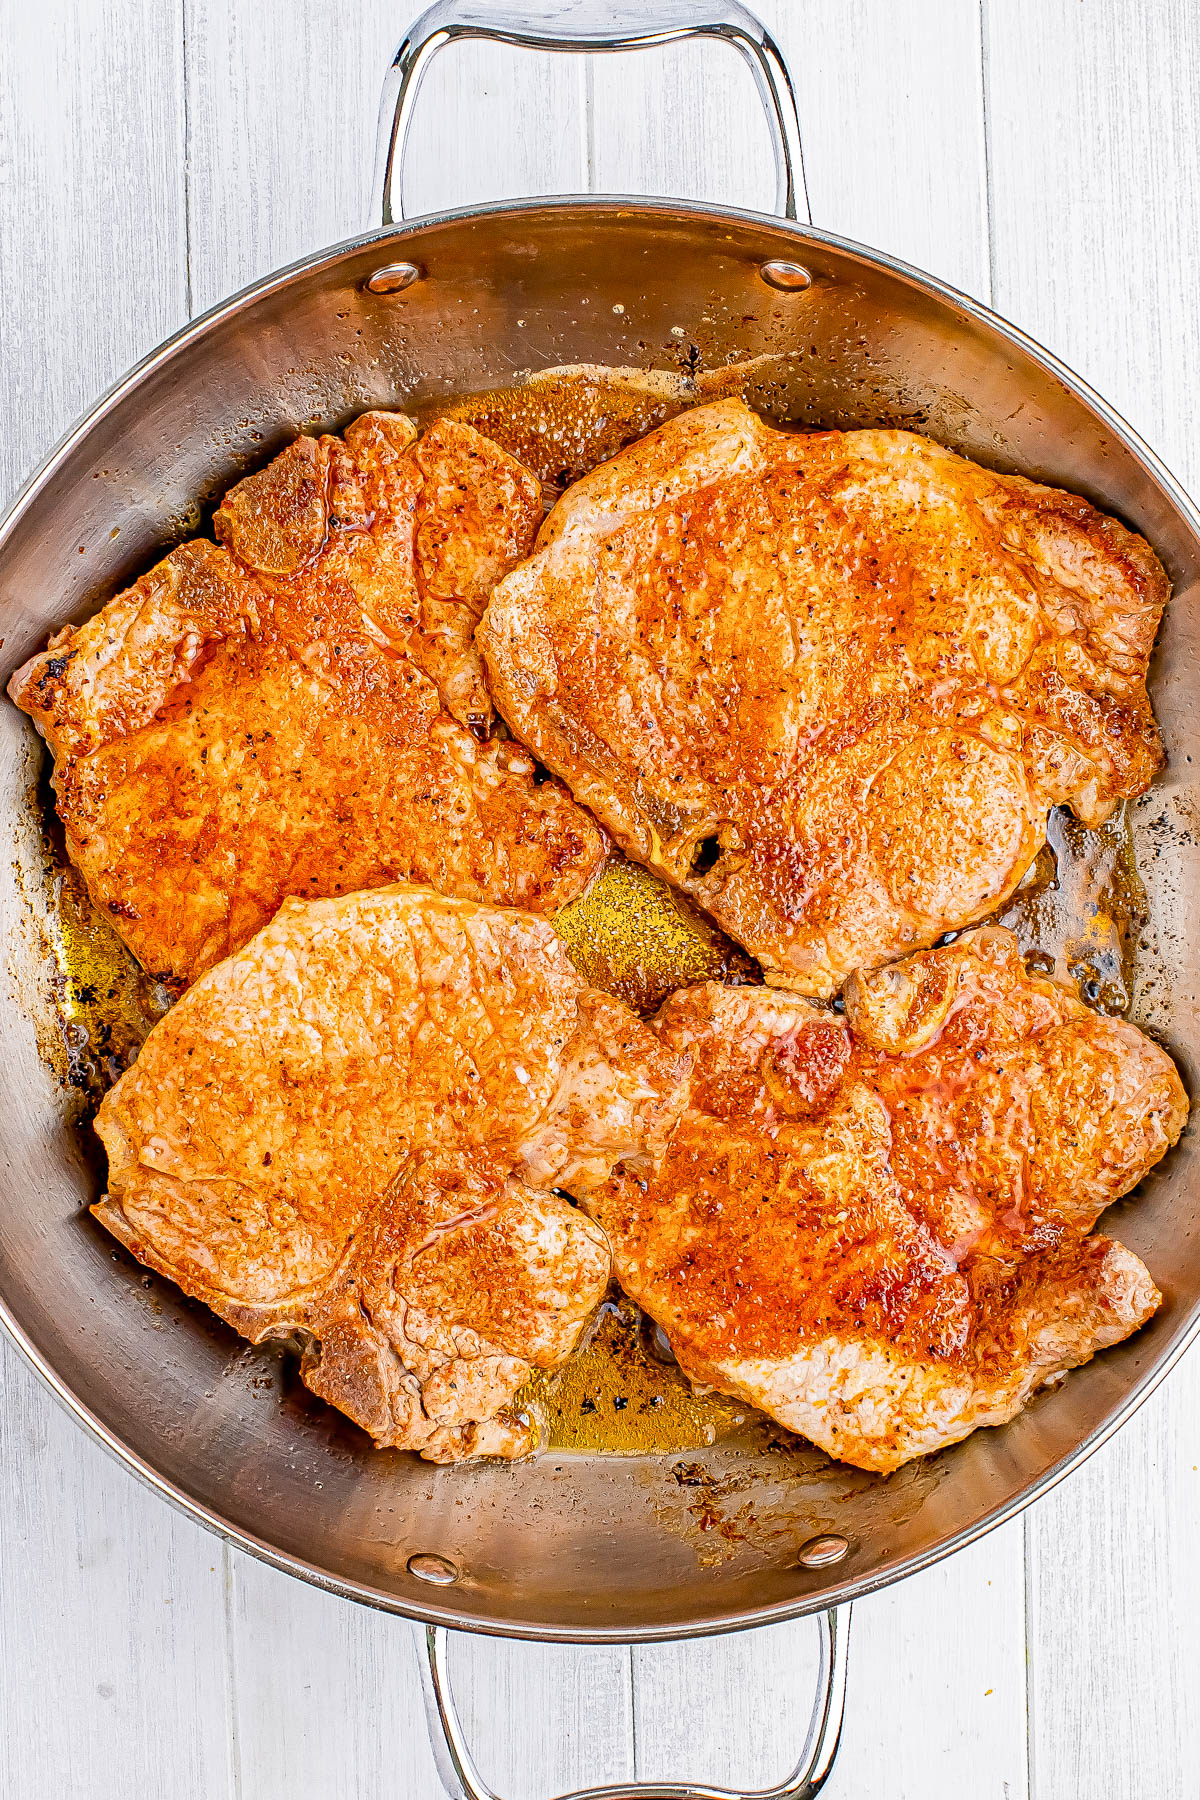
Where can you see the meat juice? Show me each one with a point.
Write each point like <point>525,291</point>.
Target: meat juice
<point>1078,915</point>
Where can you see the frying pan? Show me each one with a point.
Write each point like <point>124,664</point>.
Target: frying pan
<point>569,1547</point>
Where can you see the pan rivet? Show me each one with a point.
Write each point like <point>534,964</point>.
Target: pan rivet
<point>438,1569</point>
<point>393,278</point>
<point>822,1552</point>
<point>791,277</point>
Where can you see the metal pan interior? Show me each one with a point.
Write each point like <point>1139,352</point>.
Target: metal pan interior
<point>568,1546</point>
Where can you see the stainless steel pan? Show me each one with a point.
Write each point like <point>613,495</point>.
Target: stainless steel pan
<point>568,1547</point>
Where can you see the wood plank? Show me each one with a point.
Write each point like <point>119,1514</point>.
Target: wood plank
<point>684,121</point>
<point>545,1718</point>
<point>112,1637</point>
<point>112,1630</point>
<point>891,116</point>
<point>325,1697</point>
<point>493,123</point>
<point>729,1710</point>
<point>891,109</point>
<point>283,101</point>
<point>323,1693</point>
<point>938,1701</point>
<point>1114,1605</point>
<point>87,289</point>
<point>936,1694</point>
<point>1093,156</point>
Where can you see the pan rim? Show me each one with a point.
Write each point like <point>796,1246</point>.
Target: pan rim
<point>419,1609</point>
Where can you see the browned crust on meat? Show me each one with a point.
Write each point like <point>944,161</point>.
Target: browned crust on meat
<point>829,683</point>
<point>876,1226</point>
<point>300,708</point>
<point>355,1131</point>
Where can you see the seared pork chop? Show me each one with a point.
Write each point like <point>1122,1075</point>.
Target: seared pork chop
<point>876,1227</point>
<point>828,683</point>
<point>353,1130</point>
<point>300,709</point>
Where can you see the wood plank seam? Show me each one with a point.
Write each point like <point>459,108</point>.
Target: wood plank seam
<point>185,160</point>
<point>233,1731</point>
<point>986,146</point>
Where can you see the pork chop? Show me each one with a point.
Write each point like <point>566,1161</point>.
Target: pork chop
<point>828,683</point>
<point>876,1227</point>
<point>353,1130</point>
<point>300,709</point>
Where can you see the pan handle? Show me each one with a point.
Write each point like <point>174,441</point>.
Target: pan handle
<point>806,1779</point>
<point>621,25</point>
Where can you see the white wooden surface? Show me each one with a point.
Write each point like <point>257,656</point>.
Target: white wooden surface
<point>153,156</point>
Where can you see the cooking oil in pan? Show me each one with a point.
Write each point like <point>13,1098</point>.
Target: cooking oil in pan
<point>622,1393</point>
<point>102,1001</point>
<point>1078,916</point>
<point>1080,910</point>
<point>563,422</point>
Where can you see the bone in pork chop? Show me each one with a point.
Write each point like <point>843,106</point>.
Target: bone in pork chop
<point>354,1128</point>
<point>828,683</point>
<point>300,709</point>
<point>876,1227</point>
